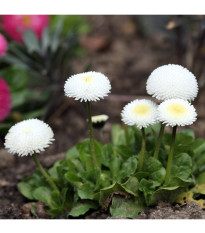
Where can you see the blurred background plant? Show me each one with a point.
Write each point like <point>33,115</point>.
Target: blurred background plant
<point>37,61</point>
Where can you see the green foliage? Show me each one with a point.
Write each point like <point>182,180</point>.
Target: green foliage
<point>116,185</point>
<point>70,21</point>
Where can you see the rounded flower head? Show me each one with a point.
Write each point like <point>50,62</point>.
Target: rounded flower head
<point>172,81</point>
<point>141,113</point>
<point>99,121</point>
<point>3,45</point>
<point>5,100</point>
<point>176,112</point>
<point>28,137</point>
<point>89,86</point>
<point>14,24</point>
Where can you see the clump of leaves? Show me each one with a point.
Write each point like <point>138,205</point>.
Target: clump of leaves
<point>116,185</point>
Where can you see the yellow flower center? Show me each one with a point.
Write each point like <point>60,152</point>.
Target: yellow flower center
<point>177,109</point>
<point>27,130</point>
<point>87,79</point>
<point>141,110</point>
<point>26,20</point>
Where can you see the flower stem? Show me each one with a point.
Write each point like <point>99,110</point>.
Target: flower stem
<point>171,152</point>
<point>161,132</point>
<point>44,173</point>
<point>142,152</point>
<point>92,149</point>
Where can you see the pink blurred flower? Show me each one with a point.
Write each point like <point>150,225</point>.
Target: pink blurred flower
<point>13,24</point>
<point>3,45</point>
<point>5,100</point>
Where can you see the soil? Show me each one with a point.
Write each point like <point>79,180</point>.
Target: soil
<point>127,55</point>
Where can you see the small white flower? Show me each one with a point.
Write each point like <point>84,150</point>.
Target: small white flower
<point>28,137</point>
<point>99,121</point>
<point>172,81</point>
<point>141,113</point>
<point>89,86</point>
<point>99,118</point>
<point>176,112</point>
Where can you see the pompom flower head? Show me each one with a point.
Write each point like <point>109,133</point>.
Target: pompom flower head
<point>3,45</point>
<point>99,121</point>
<point>14,24</point>
<point>176,112</point>
<point>5,100</point>
<point>28,137</point>
<point>172,81</point>
<point>141,113</point>
<point>88,86</point>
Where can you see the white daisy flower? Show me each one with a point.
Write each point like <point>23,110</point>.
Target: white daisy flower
<point>172,81</point>
<point>141,113</point>
<point>28,137</point>
<point>89,86</point>
<point>176,112</point>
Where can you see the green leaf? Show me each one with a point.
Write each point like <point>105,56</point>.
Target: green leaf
<point>86,191</point>
<point>86,160</point>
<point>131,185</point>
<point>15,61</point>
<point>140,175</point>
<point>199,163</point>
<point>16,78</point>
<point>31,41</point>
<point>156,171</point>
<point>124,151</point>
<point>107,152</point>
<point>146,186</point>
<point>25,189</point>
<point>73,178</point>
<point>128,208</point>
<point>198,146</point>
<point>42,194</point>
<point>138,139</point>
<point>118,135</point>
<point>56,36</point>
<point>26,96</point>
<point>181,167</point>
<point>85,156</point>
<point>45,41</point>
<point>129,167</point>
<point>201,178</point>
<point>82,208</point>
<point>56,198</point>
<point>72,153</point>
<point>184,137</point>
<point>166,194</point>
<point>115,164</point>
<point>105,178</point>
<point>29,184</point>
<point>188,132</point>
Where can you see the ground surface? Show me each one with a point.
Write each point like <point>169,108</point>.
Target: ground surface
<point>116,48</point>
